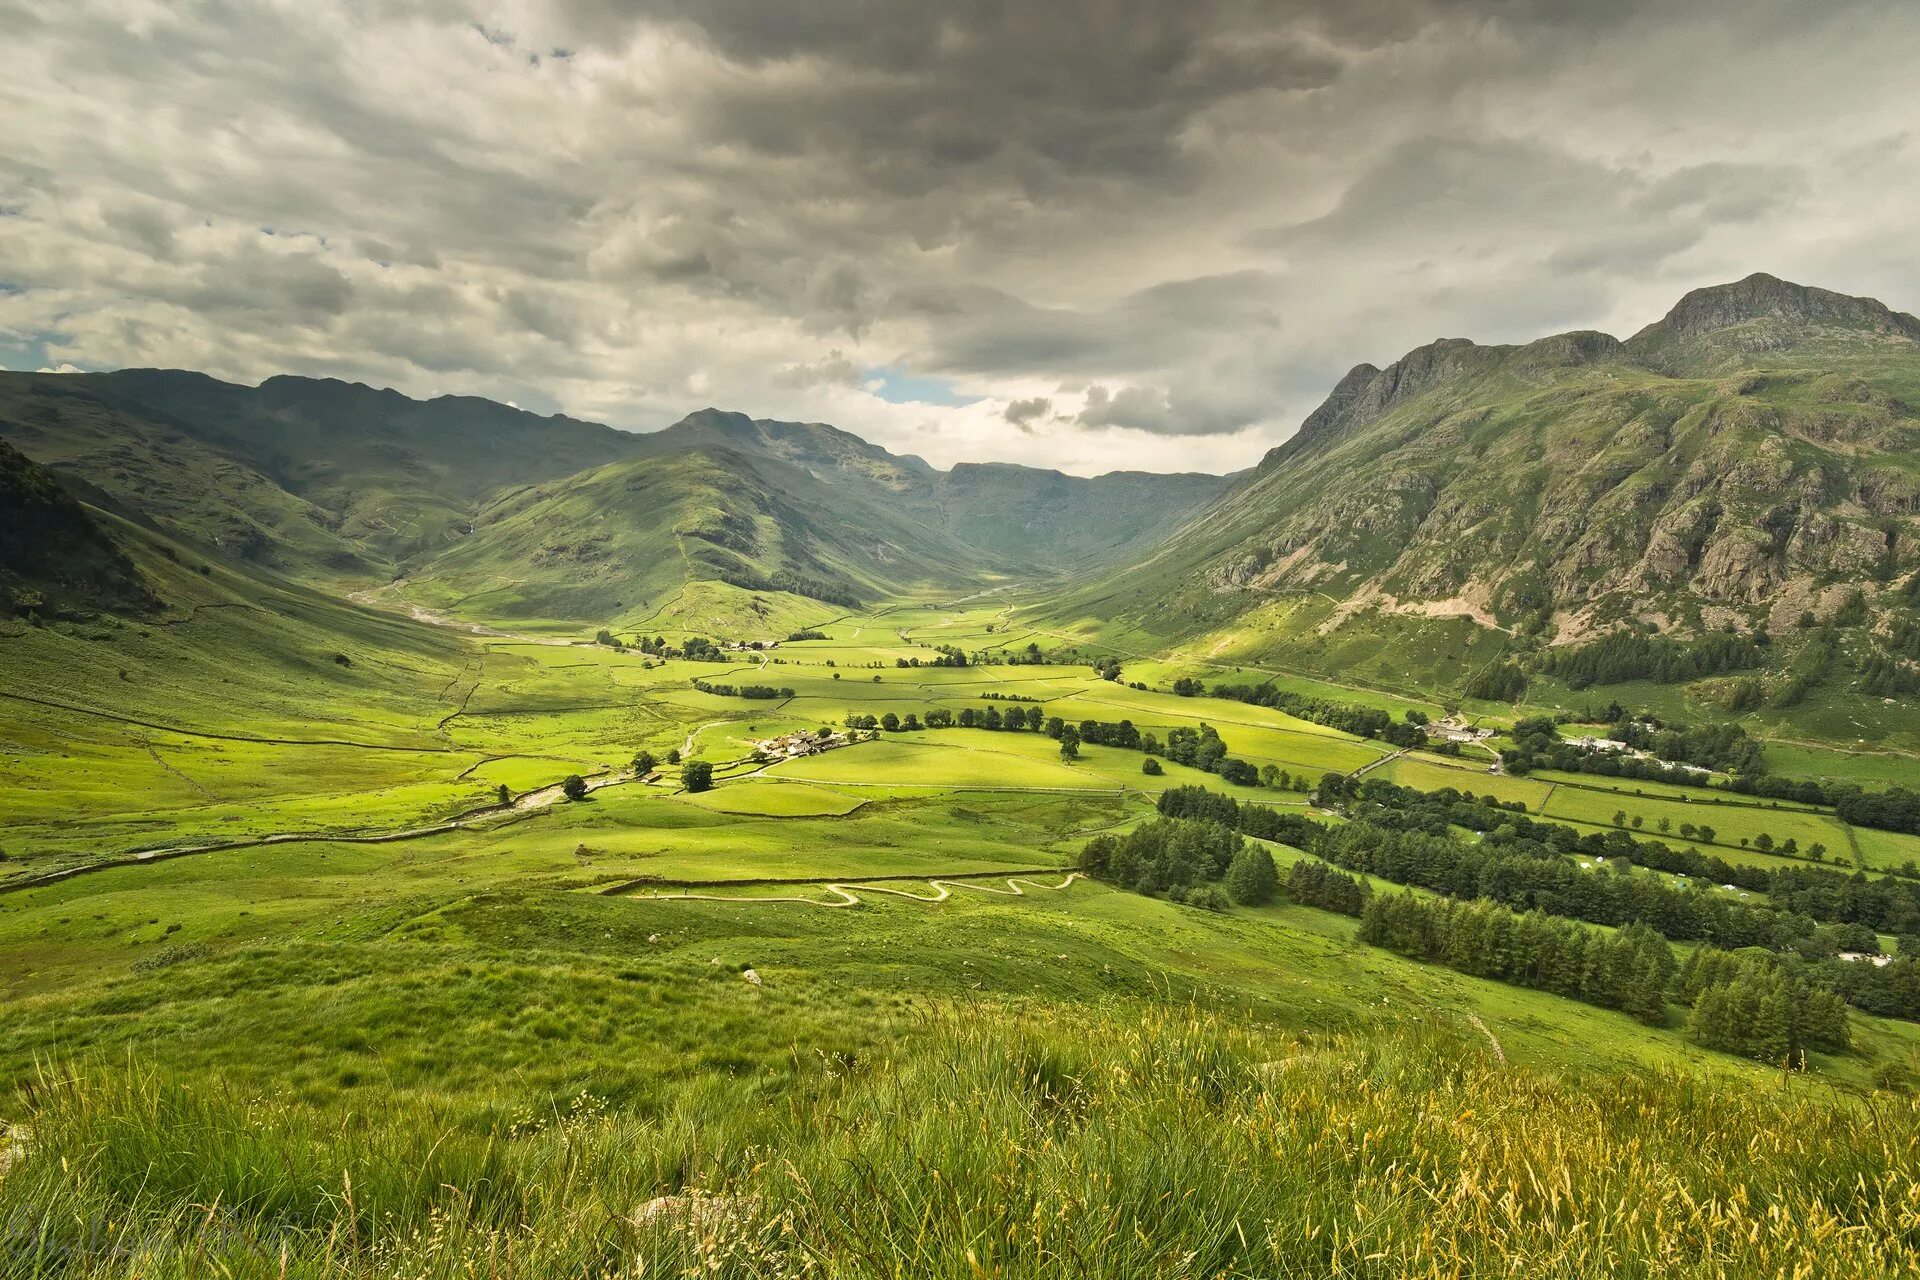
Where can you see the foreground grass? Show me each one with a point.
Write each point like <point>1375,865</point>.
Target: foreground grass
<point>992,1141</point>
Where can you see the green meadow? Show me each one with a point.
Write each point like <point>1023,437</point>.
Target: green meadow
<point>306,946</point>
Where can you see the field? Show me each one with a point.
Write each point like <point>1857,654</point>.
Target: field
<point>287,897</point>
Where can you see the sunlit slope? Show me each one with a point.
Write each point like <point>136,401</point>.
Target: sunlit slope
<point>593,545</point>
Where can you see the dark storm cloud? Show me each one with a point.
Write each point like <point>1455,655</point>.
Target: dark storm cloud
<point>1161,229</point>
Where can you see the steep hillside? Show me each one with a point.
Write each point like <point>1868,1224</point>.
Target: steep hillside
<point>1751,458</point>
<point>54,557</point>
<point>396,475</point>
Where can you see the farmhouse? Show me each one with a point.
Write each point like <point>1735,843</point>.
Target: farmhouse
<point>794,746</point>
<point>1455,729</point>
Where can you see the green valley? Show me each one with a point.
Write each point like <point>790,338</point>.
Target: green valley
<point>445,840</point>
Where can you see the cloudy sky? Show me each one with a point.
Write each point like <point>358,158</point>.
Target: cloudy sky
<point>1083,233</point>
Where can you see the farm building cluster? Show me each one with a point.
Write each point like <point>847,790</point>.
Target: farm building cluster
<point>808,742</point>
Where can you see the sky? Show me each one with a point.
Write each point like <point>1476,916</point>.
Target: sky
<point>1089,234</point>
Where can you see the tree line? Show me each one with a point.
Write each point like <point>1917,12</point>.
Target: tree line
<point>756,691</point>
<point>1629,969</point>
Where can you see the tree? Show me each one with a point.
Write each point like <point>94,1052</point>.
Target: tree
<point>1151,767</point>
<point>673,756</point>
<point>1252,878</point>
<point>506,796</point>
<point>890,722</point>
<point>1069,743</point>
<point>643,763</point>
<point>698,775</point>
<point>1763,842</point>
<point>575,787</point>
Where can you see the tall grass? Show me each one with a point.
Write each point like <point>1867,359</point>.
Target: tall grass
<point>996,1144</point>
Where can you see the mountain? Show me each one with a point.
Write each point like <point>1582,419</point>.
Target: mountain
<point>344,484</point>
<point>603,542</point>
<point>1023,518</point>
<point>1752,456</point>
<point>54,556</point>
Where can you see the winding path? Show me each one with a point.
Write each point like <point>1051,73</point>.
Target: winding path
<point>844,895</point>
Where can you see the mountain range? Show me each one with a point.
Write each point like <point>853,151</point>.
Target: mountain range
<point>555,517</point>
<point>1748,459</point>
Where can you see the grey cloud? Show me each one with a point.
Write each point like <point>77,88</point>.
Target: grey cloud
<point>834,370</point>
<point>1022,413</point>
<point>1208,211</point>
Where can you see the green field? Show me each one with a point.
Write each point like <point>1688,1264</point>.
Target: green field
<point>497,967</point>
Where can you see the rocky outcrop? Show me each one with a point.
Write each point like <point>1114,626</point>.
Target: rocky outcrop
<point>1764,297</point>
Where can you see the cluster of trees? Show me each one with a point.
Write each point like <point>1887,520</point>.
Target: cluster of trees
<point>1203,749</point>
<point>948,656</point>
<point>757,691</point>
<point>1895,809</point>
<point>1188,687</point>
<point>1885,676</point>
<point>1751,1004</point>
<point>1187,860</point>
<point>807,634</point>
<point>1497,682</point>
<point>1108,667</point>
<point>1629,969</point>
<point>994,695</point>
<point>793,583</point>
<point>1363,722</point>
<point>695,649</point>
<point>1250,819</point>
<point>1031,656</point>
<point>1312,883</point>
<point>1633,655</point>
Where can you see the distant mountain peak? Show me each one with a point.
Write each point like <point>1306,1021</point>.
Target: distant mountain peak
<point>1764,297</point>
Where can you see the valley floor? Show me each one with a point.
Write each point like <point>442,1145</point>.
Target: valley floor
<point>308,964</point>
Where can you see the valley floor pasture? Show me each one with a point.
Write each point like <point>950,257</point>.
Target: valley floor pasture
<point>311,966</point>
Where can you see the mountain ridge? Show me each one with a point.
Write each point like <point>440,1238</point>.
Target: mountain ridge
<point>1750,457</point>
